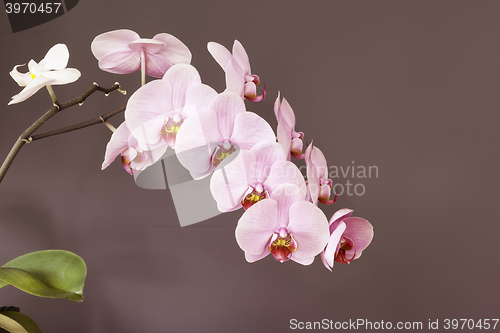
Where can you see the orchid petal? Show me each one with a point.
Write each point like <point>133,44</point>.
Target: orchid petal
<point>149,102</point>
<point>64,76</point>
<point>194,140</point>
<point>284,172</point>
<point>302,261</point>
<point>175,51</point>
<point>124,62</point>
<point>312,177</point>
<point>241,57</point>
<point>250,129</point>
<point>309,227</point>
<point>22,79</point>
<point>120,140</point>
<point>227,106</point>
<point>200,96</point>
<point>28,91</point>
<point>113,41</point>
<point>328,255</point>
<point>235,79</point>
<point>267,154</point>
<point>256,226</point>
<point>286,114</point>
<point>253,258</point>
<point>150,46</point>
<point>340,215</point>
<point>286,195</point>
<point>56,58</point>
<point>250,90</point>
<point>361,233</point>
<point>230,183</point>
<point>220,54</point>
<point>181,77</point>
<point>284,139</point>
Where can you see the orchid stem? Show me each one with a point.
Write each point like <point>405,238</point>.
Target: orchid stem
<point>108,125</point>
<point>52,94</point>
<point>26,137</point>
<point>143,68</point>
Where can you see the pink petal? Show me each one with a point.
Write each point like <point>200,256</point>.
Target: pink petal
<point>201,96</point>
<point>302,261</point>
<point>256,226</point>
<point>220,54</point>
<point>241,57</point>
<point>194,140</point>
<point>253,258</point>
<point>120,140</point>
<point>284,139</point>
<point>312,177</point>
<point>230,183</point>
<point>147,45</point>
<point>250,129</point>
<point>284,172</point>
<point>286,114</point>
<point>286,195</point>
<point>227,106</point>
<point>267,154</point>
<point>309,226</point>
<point>121,62</point>
<point>328,255</point>
<point>361,233</point>
<point>340,215</point>
<point>181,77</point>
<point>113,41</point>
<point>145,106</point>
<point>235,79</point>
<point>318,161</point>
<point>175,50</point>
<point>250,90</point>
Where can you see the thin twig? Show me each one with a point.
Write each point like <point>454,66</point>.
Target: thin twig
<point>25,137</point>
<point>94,121</point>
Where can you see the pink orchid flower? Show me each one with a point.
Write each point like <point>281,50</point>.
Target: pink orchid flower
<point>349,236</point>
<point>133,158</point>
<point>318,184</point>
<point>252,176</point>
<point>287,137</point>
<point>209,137</point>
<point>237,68</point>
<point>156,111</point>
<point>121,51</point>
<point>285,225</point>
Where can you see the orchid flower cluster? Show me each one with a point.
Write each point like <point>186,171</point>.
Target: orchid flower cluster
<point>214,135</point>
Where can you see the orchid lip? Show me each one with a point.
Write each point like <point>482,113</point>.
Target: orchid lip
<point>253,197</point>
<point>282,247</point>
<point>221,152</point>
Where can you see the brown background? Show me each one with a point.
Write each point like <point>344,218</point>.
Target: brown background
<point>408,86</point>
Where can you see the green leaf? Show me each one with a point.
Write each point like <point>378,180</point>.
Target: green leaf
<point>10,325</point>
<point>26,322</point>
<point>49,273</point>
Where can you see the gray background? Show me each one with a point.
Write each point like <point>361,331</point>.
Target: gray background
<point>409,86</point>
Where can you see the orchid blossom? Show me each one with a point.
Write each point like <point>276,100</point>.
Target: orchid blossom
<point>318,183</point>
<point>156,111</point>
<point>285,225</point>
<point>133,157</point>
<point>349,236</point>
<point>252,176</point>
<point>51,70</point>
<point>207,138</point>
<point>237,68</point>
<point>287,137</point>
<point>122,51</point>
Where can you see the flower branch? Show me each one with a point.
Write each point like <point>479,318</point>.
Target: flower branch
<point>25,137</point>
<point>90,122</point>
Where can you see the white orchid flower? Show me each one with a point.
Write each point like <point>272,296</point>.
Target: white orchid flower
<point>51,70</point>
